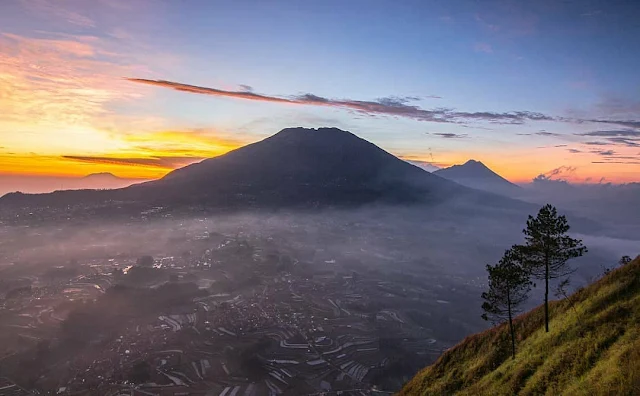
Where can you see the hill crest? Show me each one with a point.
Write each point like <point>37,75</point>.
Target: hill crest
<point>593,347</point>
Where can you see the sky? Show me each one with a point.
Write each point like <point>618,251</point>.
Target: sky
<point>140,87</point>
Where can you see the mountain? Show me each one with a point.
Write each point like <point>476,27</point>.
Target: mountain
<point>593,348</point>
<point>296,167</point>
<point>46,184</point>
<point>477,175</point>
<point>101,176</point>
<point>104,180</point>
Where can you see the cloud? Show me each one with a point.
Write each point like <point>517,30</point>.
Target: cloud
<point>545,133</point>
<point>556,146</point>
<point>426,165</point>
<point>57,10</point>
<point>389,106</point>
<point>448,135</point>
<point>168,162</point>
<point>483,47</point>
<point>246,88</point>
<point>621,137</point>
<point>609,133</point>
<point>625,142</point>
<point>623,123</point>
<point>59,82</point>
<point>514,117</point>
<point>574,151</point>
<point>397,106</point>
<point>560,173</point>
<point>606,153</point>
<point>596,143</point>
<point>617,162</point>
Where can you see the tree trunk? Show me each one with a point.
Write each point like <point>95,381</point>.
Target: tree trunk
<point>513,334</point>
<point>546,296</point>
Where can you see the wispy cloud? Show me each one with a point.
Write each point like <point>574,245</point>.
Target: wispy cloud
<point>617,162</point>
<point>449,135</point>
<point>608,133</point>
<point>623,137</point>
<point>58,9</point>
<point>169,162</point>
<point>483,47</point>
<point>604,153</point>
<point>545,133</point>
<point>560,173</point>
<point>625,141</point>
<point>390,106</point>
<point>424,163</point>
<point>624,123</point>
<point>58,81</point>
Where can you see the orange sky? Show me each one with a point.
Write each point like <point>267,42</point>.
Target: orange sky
<point>69,107</point>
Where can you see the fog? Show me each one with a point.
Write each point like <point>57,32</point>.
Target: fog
<point>405,281</point>
<point>614,205</point>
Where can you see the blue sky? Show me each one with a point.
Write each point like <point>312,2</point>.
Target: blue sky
<point>574,62</point>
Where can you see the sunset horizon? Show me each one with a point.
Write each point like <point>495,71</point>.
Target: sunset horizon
<point>92,90</point>
<point>292,197</point>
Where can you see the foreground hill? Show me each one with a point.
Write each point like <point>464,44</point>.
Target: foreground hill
<point>593,347</point>
<point>477,175</point>
<point>296,167</point>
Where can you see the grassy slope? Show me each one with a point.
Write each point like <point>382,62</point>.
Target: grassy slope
<point>593,347</point>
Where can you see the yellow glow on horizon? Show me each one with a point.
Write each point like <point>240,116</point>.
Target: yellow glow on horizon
<point>144,155</point>
<point>61,101</point>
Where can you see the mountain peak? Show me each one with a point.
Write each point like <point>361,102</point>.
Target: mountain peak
<point>302,167</point>
<point>101,175</point>
<point>301,134</point>
<point>473,162</point>
<point>476,174</point>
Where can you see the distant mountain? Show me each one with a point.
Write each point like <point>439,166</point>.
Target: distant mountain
<point>105,180</point>
<point>477,175</point>
<point>46,184</point>
<point>296,167</point>
<point>593,348</point>
<point>429,167</point>
<point>102,176</point>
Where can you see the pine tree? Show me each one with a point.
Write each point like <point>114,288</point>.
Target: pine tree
<point>509,287</point>
<point>548,248</point>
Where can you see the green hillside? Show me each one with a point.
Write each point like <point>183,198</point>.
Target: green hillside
<point>593,348</point>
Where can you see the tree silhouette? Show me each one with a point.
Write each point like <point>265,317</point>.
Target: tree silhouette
<point>624,260</point>
<point>548,248</point>
<point>509,287</point>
